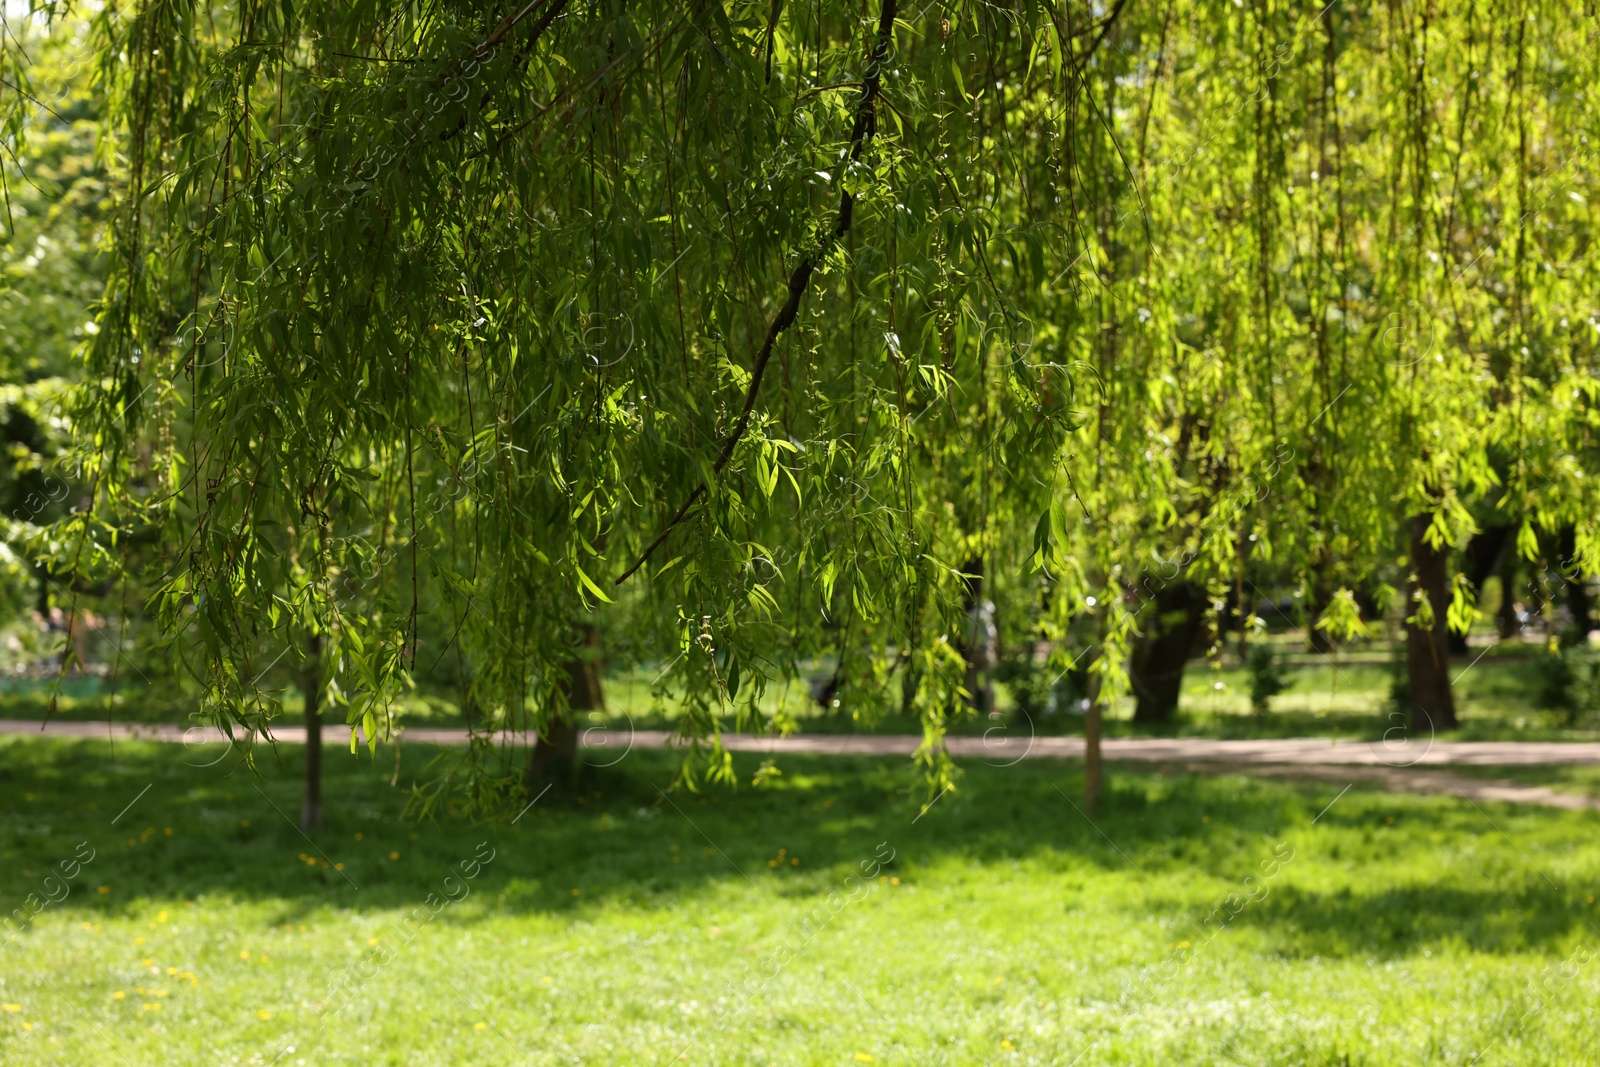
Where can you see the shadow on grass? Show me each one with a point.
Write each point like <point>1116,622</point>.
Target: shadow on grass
<point>1404,920</point>
<point>623,838</point>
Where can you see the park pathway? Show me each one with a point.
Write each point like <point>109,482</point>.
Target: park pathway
<point>1397,766</point>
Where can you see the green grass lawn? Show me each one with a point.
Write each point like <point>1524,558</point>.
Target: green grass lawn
<point>1195,921</point>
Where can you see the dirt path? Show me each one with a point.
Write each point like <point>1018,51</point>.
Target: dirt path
<point>1398,767</point>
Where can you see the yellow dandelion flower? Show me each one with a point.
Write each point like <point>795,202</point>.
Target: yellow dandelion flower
<point>105,889</point>
<point>480,1026</point>
<point>372,941</point>
<point>244,954</point>
<point>150,1007</point>
<point>577,892</point>
<point>28,1027</point>
<point>394,855</point>
<point>862,1057</point>
<point>338,866</point>
<point>161,917</point>
<point>118,995</point>
<point>794,861</point>
<point>772,863</point>
<point>547,981</point>
<point>263,1014</point>
<point>1007,1045</point>
<point>10,1007</point>
<point>894,881</point>
<point>172,970</point>
<point>138,941</point>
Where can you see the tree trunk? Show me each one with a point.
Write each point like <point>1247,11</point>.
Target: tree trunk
<point>1428,649</point>
<point>1156,667</point>
<point>311,689</point>
<point>555,756</point>
<point>1477,563</point>
<point>1094,718</point>
<point>1093,774</point>
<point>1578,599</point>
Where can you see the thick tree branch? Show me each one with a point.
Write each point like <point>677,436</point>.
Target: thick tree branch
<point>865,125</point>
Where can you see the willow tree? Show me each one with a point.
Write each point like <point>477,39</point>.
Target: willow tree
<point>441,332</point>
<point>1339,259</point>
<point>480,318</point>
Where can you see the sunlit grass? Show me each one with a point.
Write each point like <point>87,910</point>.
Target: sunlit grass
<point>1196,921</point>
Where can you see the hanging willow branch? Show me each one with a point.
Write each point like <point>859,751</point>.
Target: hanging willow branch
<point>866,123</point>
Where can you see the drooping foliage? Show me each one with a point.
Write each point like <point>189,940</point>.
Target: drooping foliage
<point>433,330</point>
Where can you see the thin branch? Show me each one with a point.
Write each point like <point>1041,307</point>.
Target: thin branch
<point>865,125</point>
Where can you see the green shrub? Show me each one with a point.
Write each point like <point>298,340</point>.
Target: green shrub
<point>1267,677</point>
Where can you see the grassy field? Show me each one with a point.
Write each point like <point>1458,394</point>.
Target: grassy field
<point>1195,920</point>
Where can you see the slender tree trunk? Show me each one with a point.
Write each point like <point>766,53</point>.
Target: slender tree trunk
<point>555,756</point>
<point>1156,666</point>
<point>1428,649</point>
<point>1093,773</point>
<point>1094,720</point>
<point>311,689</point>
<point>1578,599</point>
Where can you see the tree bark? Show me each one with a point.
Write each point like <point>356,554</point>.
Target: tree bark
<point>311,689</point>
<point>1317,639</point>
<point>1428,649</point>
<point>1578,599</point>
<point>1156,667</point>
<point>1093,773</point>
<point>1094,718</point>
<point>554,756</point>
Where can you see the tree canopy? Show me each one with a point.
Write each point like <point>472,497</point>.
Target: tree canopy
<point>436,330</point>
